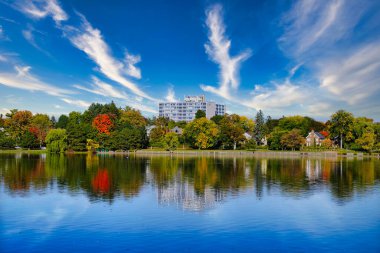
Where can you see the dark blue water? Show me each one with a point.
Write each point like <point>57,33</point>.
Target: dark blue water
<point>111,204</point>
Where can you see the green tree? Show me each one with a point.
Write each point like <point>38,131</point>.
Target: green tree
<point>201,133</point>
<point>40,124</point>
<point>274,140</point>
<point>62,122</point>
<point>28,140</point>
<point>292,140</point>
<point>6,142</point>
<point>78,132</point>
<point>200,114</point>
<point>367,140</point>
<point>259,129</point>
<point>56,140</point>
<point>341,124</point>
<point>217,118</point>
<point>92,145</point>
<point>171,141</point>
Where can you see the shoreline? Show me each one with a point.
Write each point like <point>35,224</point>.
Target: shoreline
<point>219,153</point>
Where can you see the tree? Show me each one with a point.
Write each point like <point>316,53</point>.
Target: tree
<point>231,131</point>
<point>92,145</point>
<point>259,129</point>
<point>103,123</point>
<point>200,114</point>
<point>367,140</point>
<point>28,140</point>
<point>217,119</point>
<point>78,132</point>
<point>341,124</point>
<point>62,121</point>
<point>56,140</point>
<point>6,142</point>
<point>274,140</point>
<point>171,141</point>
<point>17,123</point>
<point>40,125</point>
<point>201,133</point>
<point>292,140</point>
<point>132,117</point>
<point>156,136</point>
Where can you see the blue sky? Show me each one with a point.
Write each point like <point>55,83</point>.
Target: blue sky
<point>284,57</point>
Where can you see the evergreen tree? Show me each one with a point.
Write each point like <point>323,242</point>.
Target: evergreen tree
<point>259,130</point>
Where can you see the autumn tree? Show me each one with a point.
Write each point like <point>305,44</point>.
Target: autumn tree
<point>103,123</point>
<point>201,133</point>
<point>40,125</point>
<point>132,117</point>
<point>292,140</point>
<point>17,123</point>
<point>231,131</point>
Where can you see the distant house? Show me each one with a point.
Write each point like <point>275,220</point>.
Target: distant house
<point>314,139</point>
<point>176,130</point>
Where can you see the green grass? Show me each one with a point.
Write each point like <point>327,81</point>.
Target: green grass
<point>26,151</point>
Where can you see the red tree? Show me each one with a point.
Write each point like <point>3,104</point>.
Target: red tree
<point>103,123</point>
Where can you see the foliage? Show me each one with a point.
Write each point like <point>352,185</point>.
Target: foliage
<point>341,124</point>
<point>17,123</point>
<point>274,140</point>
<point>40,125</point>
<point>200,114</point>
<point>28,140</point>
<point>103,123</point>
<point>170,141</point>
<point>292,140</point>
<point>92,145</point>
<point>367,140</point>
<point>56,140</point>
<point>231,131</point>
<point>259,130</point>
<point>201,133</point>
<point>62,122</point>
<point>132,117</point>
<point>6,142</point>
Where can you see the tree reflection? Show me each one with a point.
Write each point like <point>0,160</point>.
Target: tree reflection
<point>192,183</point>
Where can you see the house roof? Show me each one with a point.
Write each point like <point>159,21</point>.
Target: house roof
<point>320,136</point>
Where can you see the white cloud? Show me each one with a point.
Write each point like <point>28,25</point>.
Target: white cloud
<point>131,69</point>
<point>354,76</point>
<point>170,97</point>
<point>103,89</point>
<point>3,58</point>
<point>91,42</point>
<point>281,96</point>
<point>4,111</point>
<point>22,79</point>
<point>218,49</point>
<point>79,103</point>
<point>41,9</point>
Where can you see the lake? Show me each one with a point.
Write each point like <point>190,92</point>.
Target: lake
<point>108,203</point>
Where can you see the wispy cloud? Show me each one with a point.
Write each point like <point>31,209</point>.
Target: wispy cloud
<point>170,97</point>
<point>76,102</point>
<point>130,68</point>
<point>321,36</point>
<point>39,9</point>
<point>23,79</point>
<point>104,89</point>
<point>353,76</point>
<point>3,36</point>
<point>218,49</point>
<point>91,42</point>
<point>28,34</point>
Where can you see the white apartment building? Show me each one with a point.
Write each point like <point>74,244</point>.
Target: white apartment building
<point>186,110</point>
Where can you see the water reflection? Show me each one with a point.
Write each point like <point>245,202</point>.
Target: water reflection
<point>191,183</point>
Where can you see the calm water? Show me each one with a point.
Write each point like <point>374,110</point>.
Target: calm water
<point>84,203</point>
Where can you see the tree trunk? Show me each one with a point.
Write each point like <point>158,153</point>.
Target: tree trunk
<point>234,145</point>
<point>341,141</point>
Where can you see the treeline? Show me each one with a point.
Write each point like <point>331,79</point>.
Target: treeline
<point>107,127</point>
